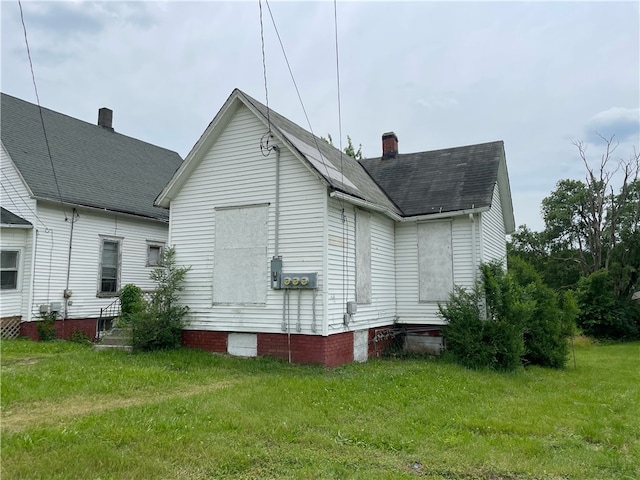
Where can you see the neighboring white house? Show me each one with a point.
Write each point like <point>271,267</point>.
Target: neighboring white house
<point>301,252</point>
<point>78,219</point>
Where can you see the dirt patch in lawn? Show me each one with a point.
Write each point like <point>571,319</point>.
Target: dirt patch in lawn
<point>42,414</point>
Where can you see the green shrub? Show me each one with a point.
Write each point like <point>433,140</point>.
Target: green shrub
<point>509,319</point>
<point>158,325</point>
<point>465,329</point>
<point>484,326</point>
<point>131,302</point>
<point>79,336</point>
<point>551,320</point>
<point>46,330</point>
<point>602,313</point>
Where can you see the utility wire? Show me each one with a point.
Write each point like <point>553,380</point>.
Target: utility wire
<point>345,246</point>
<point>35,87</point>
<point>264,66</point>
<point>6,180</point>
<point>284,53</point>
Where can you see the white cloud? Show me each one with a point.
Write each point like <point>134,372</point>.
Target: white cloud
<point>624,123</point>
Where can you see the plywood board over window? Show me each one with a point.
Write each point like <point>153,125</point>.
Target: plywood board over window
<point>363,256</point>
<point>435,257</point>
<point>240,255</point>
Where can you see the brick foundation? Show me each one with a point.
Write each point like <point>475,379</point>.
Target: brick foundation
<point>64,328</point>
<point>205,340</point>
<point>329,351</point>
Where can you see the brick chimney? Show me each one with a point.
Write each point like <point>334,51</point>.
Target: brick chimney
<point>105,118</point>
<point>389,145</point>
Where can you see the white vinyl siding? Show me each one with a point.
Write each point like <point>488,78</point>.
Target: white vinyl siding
<point>342,269</point>
<point>45,250</point>
<point>494,245</point>
<point>234,172</point>
<point>52,254</point>
<point>16,199</point>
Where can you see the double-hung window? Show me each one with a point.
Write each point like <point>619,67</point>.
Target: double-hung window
<point>109,281</point>
<point>154,253</point>
<point>9,269</point>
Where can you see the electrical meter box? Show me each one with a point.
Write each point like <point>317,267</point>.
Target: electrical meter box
<point>299,280</point>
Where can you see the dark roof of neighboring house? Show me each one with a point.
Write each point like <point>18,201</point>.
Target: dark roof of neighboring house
<point>447,180</point>
<point>341,171</point>
<point>94,166</point>
<point>9,218</point>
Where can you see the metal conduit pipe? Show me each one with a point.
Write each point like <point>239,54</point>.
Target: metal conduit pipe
<point>277,202</point>
<point>299,323</point>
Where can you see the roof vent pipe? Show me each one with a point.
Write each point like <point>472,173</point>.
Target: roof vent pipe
<point>105,118</point>
<point>389,145</point>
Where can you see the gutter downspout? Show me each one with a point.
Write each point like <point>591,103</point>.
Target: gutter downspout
<point>32,280</point>
<point>66,289</point>
<point>474,263</point>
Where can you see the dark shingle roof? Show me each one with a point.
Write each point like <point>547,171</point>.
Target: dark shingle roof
<point>9,218</point>
<point>341,172</point>
<point>94,167</point>
<point>447,180</point>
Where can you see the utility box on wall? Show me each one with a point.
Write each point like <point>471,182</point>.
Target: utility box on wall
<point>299,280</point>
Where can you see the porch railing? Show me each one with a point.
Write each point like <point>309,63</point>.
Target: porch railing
<point>105,320</point>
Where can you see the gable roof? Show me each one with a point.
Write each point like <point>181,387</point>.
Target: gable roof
<point>452,180</point>
<point>94,167</point>
<point>338,171</point>
<point>10,219</point>
<point>439,181</point>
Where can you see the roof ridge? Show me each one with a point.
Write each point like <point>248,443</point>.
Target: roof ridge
<point>85,122</point>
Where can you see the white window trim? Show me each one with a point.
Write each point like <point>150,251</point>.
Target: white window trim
<point>19,268</point>
<point>155,244</point>
<point>118,240</point>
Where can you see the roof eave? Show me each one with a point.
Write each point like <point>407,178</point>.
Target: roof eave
<point>504,190</point>
<point>16,225</point>
<point>101,209</point>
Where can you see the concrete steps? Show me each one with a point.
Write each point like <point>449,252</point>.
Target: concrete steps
<point>117,338</point>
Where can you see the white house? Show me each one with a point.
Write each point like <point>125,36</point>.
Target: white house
<point>301,252</point>
<point>78,219</point>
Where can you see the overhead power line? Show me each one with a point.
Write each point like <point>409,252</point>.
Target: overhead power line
<point>35,87</point>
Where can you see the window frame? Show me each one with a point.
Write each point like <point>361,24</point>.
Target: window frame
<point>118,241</point>
<point>17,269</point>
<point>154,244</point>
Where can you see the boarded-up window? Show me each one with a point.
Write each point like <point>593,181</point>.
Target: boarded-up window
<point>363,256</point>
<point>435,261</point>
<point>240,255</point>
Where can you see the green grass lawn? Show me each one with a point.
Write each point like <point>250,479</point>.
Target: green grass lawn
<point>70,412</point>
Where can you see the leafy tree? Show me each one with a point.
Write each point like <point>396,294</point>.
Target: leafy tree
<point>159,324</point>
<point>590,228</point>
<point>349,149</point>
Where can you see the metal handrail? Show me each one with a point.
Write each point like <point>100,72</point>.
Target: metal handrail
<point>107,313</point>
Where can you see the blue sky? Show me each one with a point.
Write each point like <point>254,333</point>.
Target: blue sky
<point>538,75</point>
